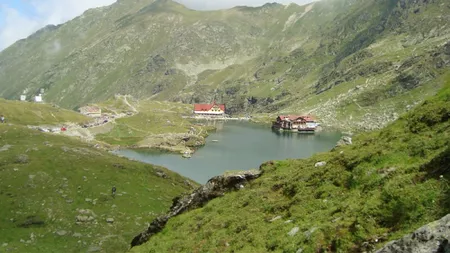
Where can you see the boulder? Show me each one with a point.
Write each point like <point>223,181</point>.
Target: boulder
<point>215,187</point>
<point>81,218</point>
<point>94,248</point>
<point>110,220</point>
<point>293,231</point>
<point>344,141</point>
<point>276,218</point>
<point>320,164</point>
<point>61,232</point>
<point>77,235</point>
<point>431,238</point>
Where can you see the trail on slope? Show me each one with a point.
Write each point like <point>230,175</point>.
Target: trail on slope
<point>125,99</point>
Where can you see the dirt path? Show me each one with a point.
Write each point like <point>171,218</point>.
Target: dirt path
<point>125,99</point>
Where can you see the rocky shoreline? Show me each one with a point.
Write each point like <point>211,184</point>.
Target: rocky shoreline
<point>179,143</point>
<point>174,143</point>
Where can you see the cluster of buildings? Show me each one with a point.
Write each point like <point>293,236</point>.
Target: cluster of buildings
<point>291,123</point>
<point>37,98</point>
<point>295,123</point>
<point>91,111</point>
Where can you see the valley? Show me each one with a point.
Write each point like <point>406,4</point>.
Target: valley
<point>342,60</point>
<point>376,72</point>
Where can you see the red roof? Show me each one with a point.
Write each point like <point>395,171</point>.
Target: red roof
<point>207,107</point>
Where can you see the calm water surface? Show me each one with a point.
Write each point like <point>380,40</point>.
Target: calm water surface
<point>239,146</point>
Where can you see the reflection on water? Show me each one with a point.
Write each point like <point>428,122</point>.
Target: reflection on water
<point>239,146</point>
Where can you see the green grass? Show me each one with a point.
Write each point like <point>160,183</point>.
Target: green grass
<point>153,118</point>
<point>45,179</point>
<point>388,183</point>
<point>26,113</point>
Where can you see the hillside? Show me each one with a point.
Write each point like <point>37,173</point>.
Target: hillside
<point>354,64</point>
<point>352,199</point>
<point>23,113</point>
<point>55,191</point>
<point>153,124</point>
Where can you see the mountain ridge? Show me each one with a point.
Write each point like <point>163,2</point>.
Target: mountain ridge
<point>268,59</point>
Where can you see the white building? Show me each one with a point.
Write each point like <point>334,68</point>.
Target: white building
<point>38,98</point>
<point>23,97</point>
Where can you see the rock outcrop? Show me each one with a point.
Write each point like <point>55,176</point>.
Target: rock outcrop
<point>215,187</point>
<point>431,238</point>
<point>344,141</point>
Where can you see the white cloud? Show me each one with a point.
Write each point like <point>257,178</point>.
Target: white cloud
<point>16,25</point>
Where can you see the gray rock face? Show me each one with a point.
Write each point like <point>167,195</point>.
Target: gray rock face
<point>215,187</point>
<point>431,238</point>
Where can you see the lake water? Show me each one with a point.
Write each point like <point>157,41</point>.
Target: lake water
<point>238,146</point>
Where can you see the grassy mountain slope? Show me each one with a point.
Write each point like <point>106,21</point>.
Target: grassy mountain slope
<point>152,118</point>
<point>55,191</point>
<point>343,60</point>
<point>388,183</point>
<point>145,124</point>
<point>23,113</point>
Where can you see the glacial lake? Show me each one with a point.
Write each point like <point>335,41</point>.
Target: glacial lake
<point>238,146</point>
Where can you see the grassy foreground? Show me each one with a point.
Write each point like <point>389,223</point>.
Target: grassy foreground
<point>386,184</point>
<point>55,192</point>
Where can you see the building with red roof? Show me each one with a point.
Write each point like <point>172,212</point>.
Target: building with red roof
<point>91,110</point>
<point>213,109</point>
<point>295,123</point>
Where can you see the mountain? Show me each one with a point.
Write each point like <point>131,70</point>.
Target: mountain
<point>374,188</point>
<point>354,64</point>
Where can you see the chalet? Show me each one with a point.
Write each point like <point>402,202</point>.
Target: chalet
<point>210,110</point>
<point>92,111</point>
<point>295,123</point>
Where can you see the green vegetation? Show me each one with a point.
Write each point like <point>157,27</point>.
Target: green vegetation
<point>25,113</point>
<point>386,184</point>
<point>354,64</point>
<point>155,125</point>
<point>55,191</point>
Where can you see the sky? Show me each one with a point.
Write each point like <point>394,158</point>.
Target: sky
<point>20,18</point>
